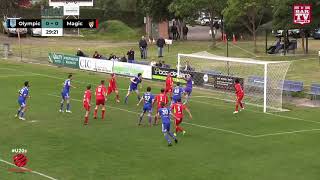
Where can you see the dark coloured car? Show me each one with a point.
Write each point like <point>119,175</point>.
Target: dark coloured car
<point>316,34</point>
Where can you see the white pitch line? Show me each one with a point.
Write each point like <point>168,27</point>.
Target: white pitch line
<point>34,172</point>
<point>197,125</point>
<point>251,53</point>
<point>282,133</point>
<point>271,114</point>
<point>21,75</point>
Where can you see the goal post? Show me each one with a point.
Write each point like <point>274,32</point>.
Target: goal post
<point>262,81</point>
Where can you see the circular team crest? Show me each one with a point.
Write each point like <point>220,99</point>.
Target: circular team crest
<point>205,78</point>
<point>20,160</point>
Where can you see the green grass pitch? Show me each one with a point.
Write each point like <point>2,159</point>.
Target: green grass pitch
<point>218,145</point>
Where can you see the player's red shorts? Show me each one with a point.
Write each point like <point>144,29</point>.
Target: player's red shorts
<point>240,97</point>
<point>168,90</point>
<point>86,106</point>
<point>100,102</point>
<point>111,89</point>
<point>178,120</point>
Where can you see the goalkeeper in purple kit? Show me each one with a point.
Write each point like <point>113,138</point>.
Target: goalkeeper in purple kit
<point>188,89</point>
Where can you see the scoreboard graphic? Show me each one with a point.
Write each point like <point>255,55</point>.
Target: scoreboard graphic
<point>53,27</point>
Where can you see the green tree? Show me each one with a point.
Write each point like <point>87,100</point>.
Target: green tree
<point>249,13</point>
<point>111,8</point>
<point>7,6</point>
<point>282,17</point>
<point>157,9</point>
<point>191,8</point>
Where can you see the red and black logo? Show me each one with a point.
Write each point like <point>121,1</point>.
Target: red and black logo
<point>20,160</point>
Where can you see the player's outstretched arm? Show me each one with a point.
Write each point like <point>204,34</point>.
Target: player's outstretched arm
<point>132,80</point>
<point>173,115</point>
<point>140,101</point>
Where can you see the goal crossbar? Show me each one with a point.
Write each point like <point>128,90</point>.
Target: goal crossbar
<point>232,59</point>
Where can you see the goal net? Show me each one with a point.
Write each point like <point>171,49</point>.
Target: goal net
<point>262,81</point>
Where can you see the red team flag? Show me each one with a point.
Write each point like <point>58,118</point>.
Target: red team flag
<point>86,103</point>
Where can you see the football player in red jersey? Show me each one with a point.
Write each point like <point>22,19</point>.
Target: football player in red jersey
<point>113,87</point>
<point>169,85</point>
<point>101,92</point>
<point>160,98</point>
<point>239,94</point>
<point>178,109</point>
<point>86,104</point>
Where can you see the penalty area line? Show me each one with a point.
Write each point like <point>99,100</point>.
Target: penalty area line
<point>34,172</point>
<point>288,132</point>
<point>271,114</point>
<point>191,124</point>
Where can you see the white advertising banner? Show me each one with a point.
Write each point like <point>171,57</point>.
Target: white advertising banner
<point>87,63</point>
<point>121,68</point>
<point>71,10</point>
<point>104,66</point>
<point>130,69</point>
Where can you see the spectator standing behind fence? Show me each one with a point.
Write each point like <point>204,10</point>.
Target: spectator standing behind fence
<point>160,43</point>
<point>130,55</point>
<point>96,55</point>
<point>188,67</point>
<point>80,53</point>
<point>143,45</point>
<point>123,59</point>
<point>174,31</point>
<point>185,32</point>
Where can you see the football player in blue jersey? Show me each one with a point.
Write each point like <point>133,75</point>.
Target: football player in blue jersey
<point>65,94</point>
<point>165,113</point>
<point>22,100</point>
<point>135,81</point>
<point>148,99</point>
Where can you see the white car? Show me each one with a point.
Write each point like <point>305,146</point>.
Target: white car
<point>36,32</point>
<point>13,31</point>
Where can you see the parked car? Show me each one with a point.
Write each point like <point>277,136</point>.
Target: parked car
<point>316,34</point>
<point>13,31</point>
<point>205,21</point>
<point>36,32</point>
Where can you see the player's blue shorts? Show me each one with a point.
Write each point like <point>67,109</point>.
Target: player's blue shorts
<point>147,108</point>
<point>188,90</point>
<point>165,127</point>
<point>22,102</point>
<point>65,95</point>
<point>175,99</point>
<point>133,88</point>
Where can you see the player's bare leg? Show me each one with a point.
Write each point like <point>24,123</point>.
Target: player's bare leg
<point>103,111</point>
<point>19,111</point>
<point>95,112</point>
<point>237,107</point>
<point>141,117</point>
<point>138,95</point>
<point>156,117</point>
<point>126,99</point>
<point>61,105</point>
<point>86,118</point>
<point>117,96</point>
<point>21,117</point>
<point>68,105</point>
<point>150,119</point>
